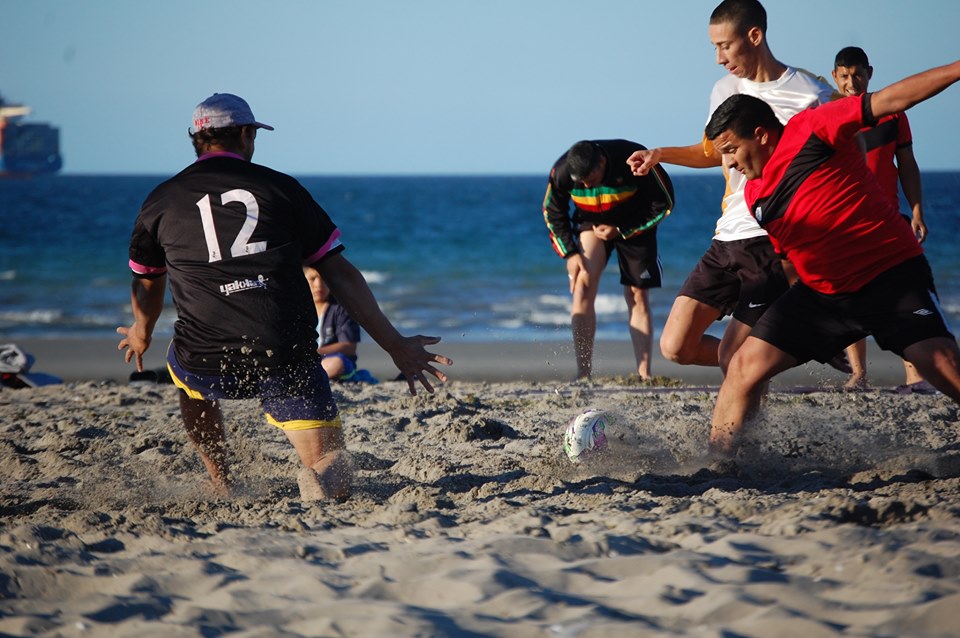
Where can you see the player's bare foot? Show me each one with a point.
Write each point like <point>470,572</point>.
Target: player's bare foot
<point>856,383</point>
<point>329,478</point>
<point>310,488</point>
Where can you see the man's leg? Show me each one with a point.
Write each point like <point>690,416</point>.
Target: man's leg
<point>641,326</point>
<point>684,339</point>
<point>203,422</point>
<point>751,368</point>
<point>327,472</point>
<point>938,361</point>
<point>857,358</point>
<point>733,337</point>
<point>583,314</point>
<point>911,374</point>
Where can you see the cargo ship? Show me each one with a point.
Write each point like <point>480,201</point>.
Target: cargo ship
<point>26,148</point>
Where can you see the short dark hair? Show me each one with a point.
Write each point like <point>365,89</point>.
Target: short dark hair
<point>582,158</point>
<point>851,56</point>
<point>226,137</point>
<point>742,14</point>
<point>741,114</point>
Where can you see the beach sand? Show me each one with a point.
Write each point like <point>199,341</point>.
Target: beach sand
<point>469,520</point>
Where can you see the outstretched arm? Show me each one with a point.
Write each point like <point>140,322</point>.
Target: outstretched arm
<point>408,353</point>
<point>910,91</point>
<point>146,297</point>
<point>910,181</point>
<point>692,156</point>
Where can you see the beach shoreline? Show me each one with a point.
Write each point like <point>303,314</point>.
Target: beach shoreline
<point>86,359</point>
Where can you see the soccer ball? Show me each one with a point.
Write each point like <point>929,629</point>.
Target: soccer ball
<point>585,435</point>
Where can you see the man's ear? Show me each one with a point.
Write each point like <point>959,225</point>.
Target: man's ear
<point>755,36</point>
<point>761,134</point>
<point>869,72</point>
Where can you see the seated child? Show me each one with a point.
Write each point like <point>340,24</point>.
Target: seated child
<point>338,332</point>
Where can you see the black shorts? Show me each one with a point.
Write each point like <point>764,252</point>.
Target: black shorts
<point>638,259</point>
<point>294,397</point>
<point>899,308</point>
<point>740,277</point>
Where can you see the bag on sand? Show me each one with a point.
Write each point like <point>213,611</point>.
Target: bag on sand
<point>13,360</point>
<point>15,369</point>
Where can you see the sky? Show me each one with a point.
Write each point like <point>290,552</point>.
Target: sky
<point>435,87</point>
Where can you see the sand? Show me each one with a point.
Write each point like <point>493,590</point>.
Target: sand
<point>468,520</point>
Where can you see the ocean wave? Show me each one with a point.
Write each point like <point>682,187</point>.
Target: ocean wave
<point>610,304</point>
<point>605,304</point>
<point>46,316</point>
<point>554,300</point>
<point>513,323</point>
<point>375,277</point>
<point>548,318</point>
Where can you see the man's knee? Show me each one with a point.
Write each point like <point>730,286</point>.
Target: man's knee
<point>679,348</point>
<point>725,354</point>
<point>740,378</point>
<point>734,336</point>
<point>753,365</point>
<point>938,361</point>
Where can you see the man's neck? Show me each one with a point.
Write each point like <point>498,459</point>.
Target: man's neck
<point>209,154</point>
<point>219,150</point>
<point>769,69</point>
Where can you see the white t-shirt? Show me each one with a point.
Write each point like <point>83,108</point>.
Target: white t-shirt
<point>791,93</point>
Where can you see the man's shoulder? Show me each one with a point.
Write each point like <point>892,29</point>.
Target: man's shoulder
<point>726,86</point>
<point>806,81</point>
<point>264,172</point>
<point>560,163</point>
<point>794,92</point>
<point>164,188</point>
<point>728,81</point>
<point>794,80</point>
<point>251,171</point>
<point>210,175</point>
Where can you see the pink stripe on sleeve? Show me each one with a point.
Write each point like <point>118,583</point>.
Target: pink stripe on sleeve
<point>140,269</point>
<point>332,243</point>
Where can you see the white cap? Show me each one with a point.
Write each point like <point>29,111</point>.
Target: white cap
<point>222,110</point>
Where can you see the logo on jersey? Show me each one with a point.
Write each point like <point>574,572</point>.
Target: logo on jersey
<point>758,213</point>
<point>245,284</point>
<point>923,312</point>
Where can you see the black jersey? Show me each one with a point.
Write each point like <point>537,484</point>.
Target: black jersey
<point>232,237</point>
<point>631,203</point>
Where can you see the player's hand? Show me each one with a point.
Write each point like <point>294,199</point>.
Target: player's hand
<point>606,232</point>
<point>576,272</point>
<point>412,359</point>
<point>919,229</point>
<point>640,162</point>
<point>135,342</point>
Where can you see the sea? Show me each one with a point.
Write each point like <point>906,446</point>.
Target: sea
<point>467,259</point>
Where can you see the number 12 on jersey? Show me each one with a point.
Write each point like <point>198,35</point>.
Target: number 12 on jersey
<point>241,245</point>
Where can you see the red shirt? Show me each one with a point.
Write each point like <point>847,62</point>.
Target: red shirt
<point>823,207</point>
<point>881,143</point>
